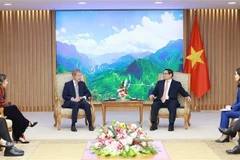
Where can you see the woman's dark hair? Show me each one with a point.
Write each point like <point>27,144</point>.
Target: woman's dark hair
<point>169,71</point>
<point>3,77</point>
<point>238,72</point>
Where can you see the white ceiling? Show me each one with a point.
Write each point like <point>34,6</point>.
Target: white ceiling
<point>115,4</point>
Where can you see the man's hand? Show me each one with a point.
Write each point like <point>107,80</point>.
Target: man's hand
<point>188,99</point>
<point>77,99</point>
<point>151,97</point>
<point>228,107</point>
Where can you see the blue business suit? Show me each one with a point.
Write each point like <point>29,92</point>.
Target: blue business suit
<point>234,113</point>
<point>69,92</point>
<point>172,103</point>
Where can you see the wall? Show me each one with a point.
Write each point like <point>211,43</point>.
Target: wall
<point>27,56</point>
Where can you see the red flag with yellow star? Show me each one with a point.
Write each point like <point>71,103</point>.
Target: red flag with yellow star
<point>196,63</point>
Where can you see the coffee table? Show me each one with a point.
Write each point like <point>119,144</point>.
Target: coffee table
<point>122,104</point>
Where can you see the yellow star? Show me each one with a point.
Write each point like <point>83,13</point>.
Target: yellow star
<point>195,56</point>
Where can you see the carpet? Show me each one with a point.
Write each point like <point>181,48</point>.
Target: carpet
<point>189,149</point>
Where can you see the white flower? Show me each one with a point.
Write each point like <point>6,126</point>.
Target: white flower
<point>133,135</point>
<point>129,140</point>
<point>144,144</point>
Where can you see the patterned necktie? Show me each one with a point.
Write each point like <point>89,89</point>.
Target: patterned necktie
<point>76,89</point>
<point>165,92</point>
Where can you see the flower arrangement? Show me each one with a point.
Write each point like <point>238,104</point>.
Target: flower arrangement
<point>122,139</point>
<point>122,90</point>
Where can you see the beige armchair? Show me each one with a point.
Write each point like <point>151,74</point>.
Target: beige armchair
<point>184,111</point>
<point>9,122</point>
<point>60,112</point>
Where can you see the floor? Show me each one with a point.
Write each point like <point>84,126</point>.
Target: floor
<point>196,143</point>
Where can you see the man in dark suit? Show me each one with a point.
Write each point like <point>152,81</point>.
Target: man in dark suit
<point>5,141</point>
<point>164,95</point>
<point>232,132</point>
<point>75,93</point>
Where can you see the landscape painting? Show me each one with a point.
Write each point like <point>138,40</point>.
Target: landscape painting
<point>115,47</point>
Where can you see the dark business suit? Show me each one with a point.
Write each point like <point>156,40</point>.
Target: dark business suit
<point>4,134</point>
<point>69,92</point>
<point>172,103</point>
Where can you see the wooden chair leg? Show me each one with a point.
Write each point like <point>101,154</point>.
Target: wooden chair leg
<point>185,122</point>
<point>55,119</point>
<point>188,121</point>
<point>59,122</point>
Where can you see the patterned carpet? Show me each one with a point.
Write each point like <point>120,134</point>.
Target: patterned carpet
<point>73,150</point>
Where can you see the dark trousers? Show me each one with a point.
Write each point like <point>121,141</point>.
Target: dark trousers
<point>172,106</point>
<point>20,123</point>
<point>75,108</point>
<point>236,127</point>
<point>4,134</point>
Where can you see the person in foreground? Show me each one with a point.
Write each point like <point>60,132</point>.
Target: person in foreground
<point>232,133</point>
<point>164,95</point>
<point>5,141</point>
<point>231,111</point>
<point>75,93</point>
<point>20,123</point>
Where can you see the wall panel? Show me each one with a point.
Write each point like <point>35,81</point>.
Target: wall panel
<point>26,57</point>
<point>220,32</point>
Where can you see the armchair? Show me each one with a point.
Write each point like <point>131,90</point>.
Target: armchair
<point>9,122</point>
<point>60,112</point>
<point>184,111</point>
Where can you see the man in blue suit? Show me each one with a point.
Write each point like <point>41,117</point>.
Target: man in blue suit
<point>75,93</point>
<point>165,95</point>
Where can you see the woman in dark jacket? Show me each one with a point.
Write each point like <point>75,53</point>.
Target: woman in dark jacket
<point>20,123</point>
<point>230,111</point>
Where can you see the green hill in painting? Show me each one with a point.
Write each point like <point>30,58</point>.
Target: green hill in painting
<point>141,76</point>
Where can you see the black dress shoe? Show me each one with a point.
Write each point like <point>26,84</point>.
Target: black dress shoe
<point>235,150</point>
<point>73,128</point>
<point>153,127</point>
<point>12,152</point>
<point>170,127</point>
<point>33,124</point>
<point>91,128</point>
<point>18,150</point>
<point>227,131</point>
<point>225,140</point>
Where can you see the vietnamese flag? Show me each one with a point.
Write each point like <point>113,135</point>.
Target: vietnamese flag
<point>196,63</point>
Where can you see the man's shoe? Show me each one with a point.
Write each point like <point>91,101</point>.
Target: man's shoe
<point>170,127</point>
<point>91,128</point>
<point>18,150</point>
<point>12,152</point>
<point>73,128</point>
<point>153,127</point>
<point>235,150</point>
<point>227,131</point>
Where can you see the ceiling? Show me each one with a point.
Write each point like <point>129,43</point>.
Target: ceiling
<point>115,4</point>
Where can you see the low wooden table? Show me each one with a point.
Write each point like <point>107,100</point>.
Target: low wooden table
<point>126,103</point>
<point>161,155</point>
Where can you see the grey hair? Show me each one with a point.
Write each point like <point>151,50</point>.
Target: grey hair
<point>75,71</point>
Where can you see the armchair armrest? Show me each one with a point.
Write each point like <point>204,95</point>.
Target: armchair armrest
<point>91,103</point>
<point>2,113</point>
<point>186,107</point>
<point>57,106</point>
